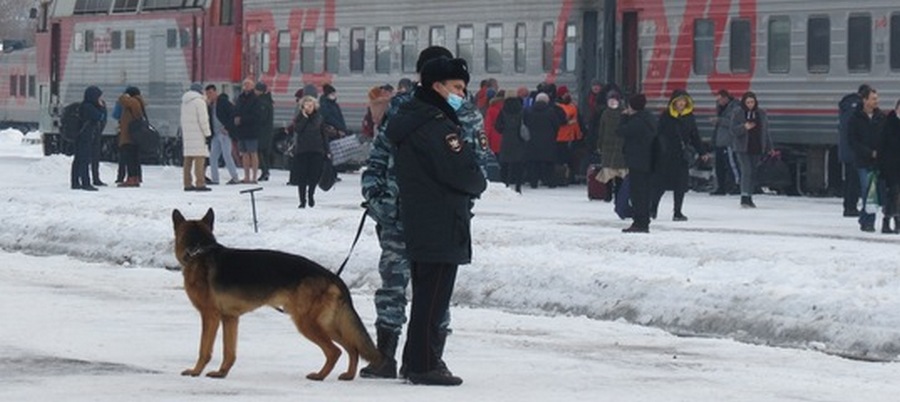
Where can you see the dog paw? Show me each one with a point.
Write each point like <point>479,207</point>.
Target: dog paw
<point>315,376</point>
<point>347,376</point>
<point>217,374</point>
<point>191,372</point>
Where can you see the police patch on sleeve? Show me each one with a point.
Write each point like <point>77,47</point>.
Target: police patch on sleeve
<point>453,142</point>
<point>483,140</point>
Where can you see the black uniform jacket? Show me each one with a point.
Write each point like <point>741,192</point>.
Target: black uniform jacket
<point>438,176</point>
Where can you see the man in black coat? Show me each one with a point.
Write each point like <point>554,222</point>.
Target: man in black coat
<point>438,176</point>
<point>864,136</point>
<point>638,127</point>
<point>266,128</point>
<point>246,123</point>
<point>92,113</point>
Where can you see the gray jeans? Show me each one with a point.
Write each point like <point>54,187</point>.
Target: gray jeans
<point>748,165</point>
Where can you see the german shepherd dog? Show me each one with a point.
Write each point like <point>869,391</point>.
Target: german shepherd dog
<point>223,283</point>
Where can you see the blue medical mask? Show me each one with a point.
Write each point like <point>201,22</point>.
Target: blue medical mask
<point>455,101</point>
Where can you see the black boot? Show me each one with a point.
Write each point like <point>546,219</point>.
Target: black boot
<point>886,226</point>
<point>302,192</point>
<point>311,195</point>
<point>747,201</point>
<point>897,224</point>
<point>387,345</point>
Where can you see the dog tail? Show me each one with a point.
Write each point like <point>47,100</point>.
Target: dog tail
<point>356,334</point>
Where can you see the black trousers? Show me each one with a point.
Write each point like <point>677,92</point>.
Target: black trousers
<point>726,180</point>
<point>130,153</point>
<point>851,187</point>
<point>432,287</point>
<point>641,193</point>
<point>96,148</point>
<point>306,172</point>
<point>81,162</point>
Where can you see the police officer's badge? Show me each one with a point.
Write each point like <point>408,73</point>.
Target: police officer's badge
<point>483,140</point>
<point>453,142</point>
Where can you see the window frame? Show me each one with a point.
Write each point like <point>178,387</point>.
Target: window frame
<point>308,51</point>
<point>548,35</point>
<point>409,49</point>
<point>570,48</point>
<point>894,41</point>
<point>332,50</point>
<point>465,46</point>
<point>703,57</point>
<point>520,58</point>
<point>283,65</point>
<point>740,55</point>
<point>774,52</point>
<point>818,68</point>
<point>437,35</point>
<point>861,47</point>
<point>493,61</point>
<point>383,50</point>
<point>357,50</point>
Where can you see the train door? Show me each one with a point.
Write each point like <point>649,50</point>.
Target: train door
<point>590,50</point>
<point>631,63</point>
<point>55,57</point>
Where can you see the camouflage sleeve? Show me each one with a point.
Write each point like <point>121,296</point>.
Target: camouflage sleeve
<point>379,183</point>
<point>473,134</point>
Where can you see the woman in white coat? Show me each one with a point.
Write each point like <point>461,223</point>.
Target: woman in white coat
<point>194,132</point>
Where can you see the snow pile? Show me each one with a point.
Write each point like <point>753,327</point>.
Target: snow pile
<point>791,273</point>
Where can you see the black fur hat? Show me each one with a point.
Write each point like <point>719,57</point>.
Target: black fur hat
<point>442,68</point>
<point>431,52</point>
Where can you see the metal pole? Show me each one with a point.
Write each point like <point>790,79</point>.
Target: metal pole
<point>252,192</point>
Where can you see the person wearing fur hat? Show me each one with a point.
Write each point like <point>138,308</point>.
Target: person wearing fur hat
<point>638,131</point>
<point>194,132</point>
<point>750,132</point>
<point>680,143</point>
<point>438,176</point>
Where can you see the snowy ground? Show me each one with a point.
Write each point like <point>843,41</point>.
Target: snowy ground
<point>545,312</point>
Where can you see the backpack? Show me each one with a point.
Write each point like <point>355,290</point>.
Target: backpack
<point>70,124</point>
<point>117,111</point>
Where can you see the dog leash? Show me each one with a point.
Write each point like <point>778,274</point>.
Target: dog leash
<point>362,222</point>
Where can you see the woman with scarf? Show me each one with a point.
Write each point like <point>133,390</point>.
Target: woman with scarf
<point>680,144</point>
<point>750,128</point>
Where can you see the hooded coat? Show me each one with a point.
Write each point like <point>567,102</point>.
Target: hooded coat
<point>92,113</point>
<point>509,125</point>
<point>543,123</point>
<point>741,136</point>
<point>609,142</point>
<point>676,131</point>
<point>888,162</point>
<point>194,124</point>
<point>132,109</point>
<point>438,175</point>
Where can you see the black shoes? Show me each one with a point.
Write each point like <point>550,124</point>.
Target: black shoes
<point>679,217</point>
<point>264,177</point>
<point>747,202</point>
<point>852,213</point>
<point>99,183</point>
<point>636,229</point>
<point>438,376</point>
<point>89,188</point>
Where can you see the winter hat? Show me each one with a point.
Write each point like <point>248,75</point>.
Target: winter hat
<point>429,53</point>
<point>132,91</point>
<point>638,102</point>
<point>261,86</point>
<point>442,69</point>
<point>197,87</point>
<point>298,94</point>
<point>405,84</point>
<point>328,89</point>
<point>542,97</point>
<point>562,91</point>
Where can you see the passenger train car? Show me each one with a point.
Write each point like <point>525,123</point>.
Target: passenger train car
<point>800,57</point>
<point>18,90</point>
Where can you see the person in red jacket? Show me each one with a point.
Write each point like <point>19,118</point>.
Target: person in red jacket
<point>494,136</point>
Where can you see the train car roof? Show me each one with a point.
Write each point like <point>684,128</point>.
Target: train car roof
<point>67,8</point>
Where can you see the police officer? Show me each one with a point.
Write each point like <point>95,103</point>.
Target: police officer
<point>438,175</point>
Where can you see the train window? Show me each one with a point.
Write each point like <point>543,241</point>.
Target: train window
<point>125,6</point>
<point>91,6</point>
<point>571,47</point>
<point>284,52</point>
<point>226,12</point>
<point>358,49</point>
<point>162,4</point>
<point>704,46</point>
<point>859,44</point>
<point>409,53</point>
<point>818,45</point>
<point>89,41</point>
<point>115,40</point>
<point>739,51</point>
<point>438,37</point>
<point>129,39</point>
<point>308,51</point>
<point>332,55</point>
<point>779,46</point>
<point>184,37</point>
<point>493,48</point>
<point>549,33</point>
<point>383,50</point>
<point>520,48</point>
<point>895,42</point>
<point>32,86</point>
<point>13,82</point>
<point>465,43</point>
<point>78,42</point>
<point>23,85</point>
<point>172,38</point>
<point>265,57</point>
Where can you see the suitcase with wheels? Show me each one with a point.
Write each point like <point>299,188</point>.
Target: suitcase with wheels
<point>596,189</point>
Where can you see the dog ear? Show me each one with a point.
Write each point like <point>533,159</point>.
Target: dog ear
<point>177,218</point>
<point>209,218</point>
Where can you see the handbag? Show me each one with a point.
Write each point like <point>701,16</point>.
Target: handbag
<point>329,175</point>
<point>524,133</point>
<point>773,173</point>
<point>689,154</point>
